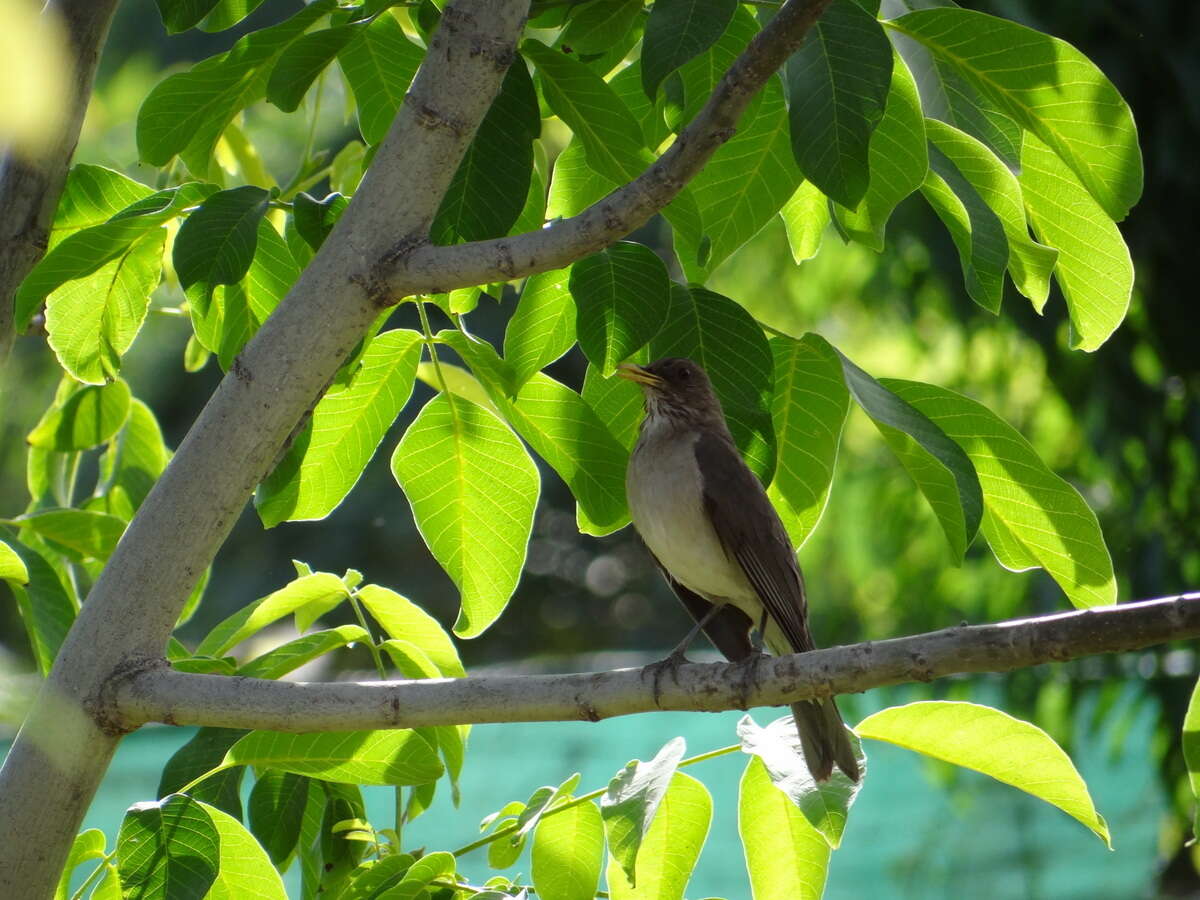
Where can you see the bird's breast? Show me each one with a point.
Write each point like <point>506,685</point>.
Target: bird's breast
<point>666,504</point>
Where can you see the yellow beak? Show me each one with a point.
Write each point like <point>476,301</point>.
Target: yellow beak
<point>632,372</point>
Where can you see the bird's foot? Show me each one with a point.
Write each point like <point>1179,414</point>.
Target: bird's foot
<point>746,670</point>
<point>668,665</point>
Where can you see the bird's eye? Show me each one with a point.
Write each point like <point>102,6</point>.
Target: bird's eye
<point>685,373</point>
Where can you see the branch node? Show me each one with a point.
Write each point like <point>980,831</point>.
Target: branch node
<point>104,706</point>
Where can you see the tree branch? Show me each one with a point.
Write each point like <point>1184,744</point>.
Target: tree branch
<point>30,186</point>
<point>428,269</point>
<point>164,695</point>
<point>66,742</point>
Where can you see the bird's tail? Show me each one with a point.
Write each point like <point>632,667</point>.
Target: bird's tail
<point>824,739</point>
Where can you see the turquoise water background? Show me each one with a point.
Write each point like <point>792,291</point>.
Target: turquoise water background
<point>919,829</point>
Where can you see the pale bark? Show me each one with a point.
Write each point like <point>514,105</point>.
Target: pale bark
<point>164,695</point>
<point>30,185</point>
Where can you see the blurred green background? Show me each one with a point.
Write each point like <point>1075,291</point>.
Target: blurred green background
<point>1122,424</point>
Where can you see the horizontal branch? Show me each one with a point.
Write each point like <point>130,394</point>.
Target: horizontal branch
<point>161,694</point>
<point>427,269</point>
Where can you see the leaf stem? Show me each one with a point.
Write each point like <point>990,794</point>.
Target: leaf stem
<point>82,889</point>
<point>430,344</point>
<point>584,798</point>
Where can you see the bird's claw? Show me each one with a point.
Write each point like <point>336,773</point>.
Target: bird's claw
<point>656,670</point>
<point>747,676</point>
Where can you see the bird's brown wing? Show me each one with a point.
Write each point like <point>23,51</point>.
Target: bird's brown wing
<point>750,531</point>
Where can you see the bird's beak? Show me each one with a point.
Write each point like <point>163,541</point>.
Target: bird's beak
<point>632,372</point>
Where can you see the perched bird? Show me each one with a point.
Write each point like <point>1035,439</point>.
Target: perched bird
<point>718,540</point>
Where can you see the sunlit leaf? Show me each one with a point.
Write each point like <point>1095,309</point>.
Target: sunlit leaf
<point>253,618</point>
<point>86,532</point>
<point>91,196</point>
<point>403,619</point>
<point>379,67</point>
<point>568,852</point>
<point>945,474</point>
<point>357,757</point>
<point>1027,506</point>
<point>244,870</point>
<point>542,327</point>
<point>837,85</point>
<point>595,27</point>
<point>632,800</point>
<point>808,410</point>
<point>805,216</point>
<point>300,64</point>
<point>1094,268</point>
<point>994,743</point>
<point>617,402</point>
<point>304,649</point>
<point>786,857</point>
<point>328,457</point>
<point>88,845</point>
<point>898,159</point>
<point>671,845</point>
<point>92,321</point>
<point>473,489</point>
<point>1050,88</point>
<point>47,610</point>
<point>826,805</point>
<point>168,848</point>
<point>1191,746</point>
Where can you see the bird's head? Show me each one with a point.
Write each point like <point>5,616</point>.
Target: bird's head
<point>678,389</point>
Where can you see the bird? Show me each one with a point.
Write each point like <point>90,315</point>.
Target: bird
<point>717,539</point>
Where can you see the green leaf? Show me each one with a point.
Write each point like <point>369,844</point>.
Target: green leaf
<point>677,31</point>
<point>977,231</point>
<point>403,619</point>
<point>898,158</point>
<point>86,250</point>
<point>473,489</point>
<point>808,411</point>
<point>1029,263</point>
<point>574,184</point>
<point>1029,510</point>
<point>202,753</point>
<point>568,851</point>
<point>542,327</point>
<point>697,78</point>
<point>87,418</point>
<point>491,183</point>
<point>12,567</point>
<point>88,845</point>
<point>46,608</point>
<point>1050,88</point>
<point>168,848</point>
<point>251,619</point>
<point>1094,269</point>
<point>945,474</point>
<point>215,244</point>
<point>611,138</point>
<point>186,113</point>
<point>277,811</point>
<point>180,15</point>
<point>805,216</point>
<point>89,533</point>
<point>244,871</point>
<point>328,457</point>
<point>304,649</point>
<point>300,64</point>
<point>825,805</point>
<point>994,743</point>
<point>92,321</point>
<point>562,429</point>
<point>357,757</point>
<point>595,27</point>
<point>228,13</point>
<point>745,183</point>
<point>630,804</point>
<point>837,86</point>
<point>948,94</point>
<point>315,218</point>
<point>432,867</point>
<point>618,403</point>
<point>91,196</point>
<point>786,857</point>
<point>379,67</point>
<point>671,845</point>
<point>1191,745</point>
<point>718,334</point>
<point>622,296</point>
